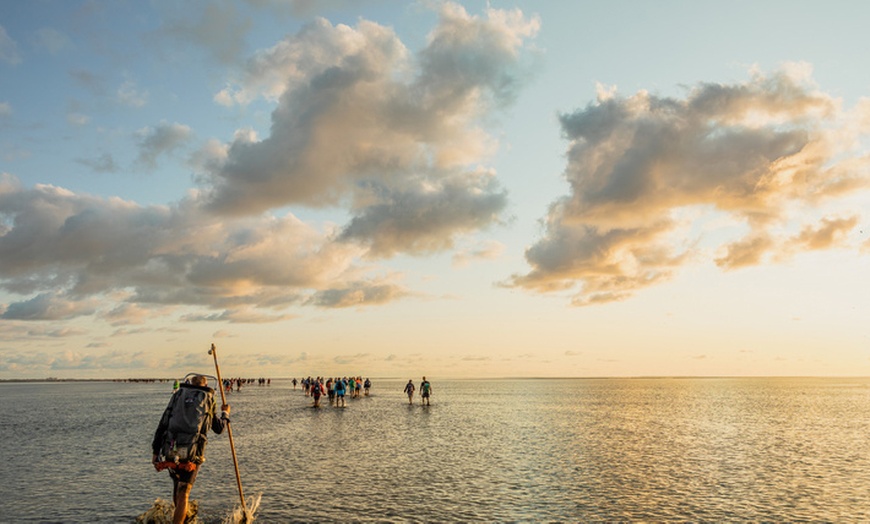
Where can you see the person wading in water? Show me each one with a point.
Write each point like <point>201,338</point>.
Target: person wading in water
<point>425,391</point>
<point>180,438</point>
<point>409,390</point>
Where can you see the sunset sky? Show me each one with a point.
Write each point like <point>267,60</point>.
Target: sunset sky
<point>455,189</point>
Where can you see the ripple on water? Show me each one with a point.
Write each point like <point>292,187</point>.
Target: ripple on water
<point>520,450</point>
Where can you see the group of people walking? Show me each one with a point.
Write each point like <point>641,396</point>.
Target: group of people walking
<point>229,383</point>
<point>425,391</point>
<point>336,389</point>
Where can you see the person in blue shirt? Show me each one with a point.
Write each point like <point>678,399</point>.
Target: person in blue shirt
<point>340,389</point>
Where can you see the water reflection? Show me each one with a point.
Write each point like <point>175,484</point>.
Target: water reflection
<point>500,450</point>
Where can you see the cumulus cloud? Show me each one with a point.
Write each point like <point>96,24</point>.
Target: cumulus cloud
<point>243,316</point>
<point>830,232</point>
<point>358,294</point>
<point>162,139</point>
<point>763,152</point>
<point>396,138</point>
<point>424,219</point>
<point>748,251</point>
<point>126,314</point>
<point>64,252</point>
<point>361,121</point>
<point>47,306</point>
<point>53,332</point>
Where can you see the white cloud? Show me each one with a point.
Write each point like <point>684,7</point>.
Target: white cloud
<point>69,255</point>
<point>358,294</point>
<point>48,306</point>
<point>755,151</point>
<point>244,315</point>
<point>362,121</point>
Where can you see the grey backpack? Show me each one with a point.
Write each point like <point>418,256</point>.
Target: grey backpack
<point>190,411</point>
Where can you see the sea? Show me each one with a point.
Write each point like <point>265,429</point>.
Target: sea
<point>509,450</point>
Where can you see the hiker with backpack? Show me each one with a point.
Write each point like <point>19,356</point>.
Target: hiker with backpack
<point>180,439</point>
<point>425,391</point>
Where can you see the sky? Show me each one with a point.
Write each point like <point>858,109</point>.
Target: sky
<point>459,189</point>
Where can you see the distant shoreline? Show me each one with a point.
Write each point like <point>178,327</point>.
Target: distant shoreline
<point>662,377</point>
<point>53,379</point>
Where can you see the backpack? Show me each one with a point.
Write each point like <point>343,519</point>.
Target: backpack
<point>189,412</point>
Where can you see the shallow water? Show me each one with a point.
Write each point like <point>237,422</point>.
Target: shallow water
<point>486,450</point>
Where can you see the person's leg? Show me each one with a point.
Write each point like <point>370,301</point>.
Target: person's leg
<point>182,482</point>
<point>182,493</point>
<point>174,486</point>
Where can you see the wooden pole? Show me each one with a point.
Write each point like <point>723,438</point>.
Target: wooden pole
<point>213,352</point>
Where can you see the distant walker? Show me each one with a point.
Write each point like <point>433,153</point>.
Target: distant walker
<point>425,392</point>
<point>409,390</point>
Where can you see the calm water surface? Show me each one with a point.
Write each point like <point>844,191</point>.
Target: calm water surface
<point>493,451</point>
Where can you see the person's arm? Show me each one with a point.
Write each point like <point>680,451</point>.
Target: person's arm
<point>158,434</point>
<point>219,423</point>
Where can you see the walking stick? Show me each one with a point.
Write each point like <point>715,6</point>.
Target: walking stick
<point>213,352</point>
